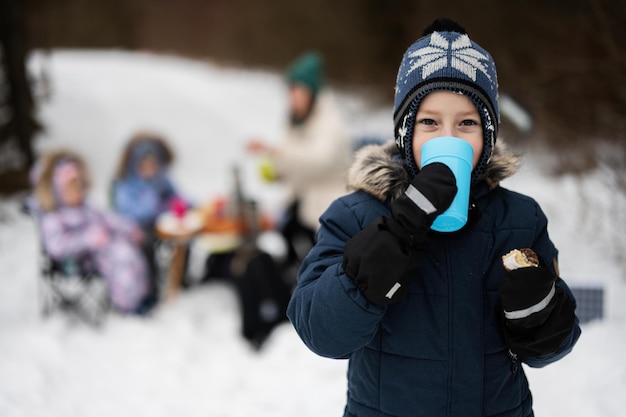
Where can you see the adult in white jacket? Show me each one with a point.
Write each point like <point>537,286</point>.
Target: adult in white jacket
<point>314,156</point>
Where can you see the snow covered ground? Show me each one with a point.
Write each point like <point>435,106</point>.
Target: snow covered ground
<point>188,359</point>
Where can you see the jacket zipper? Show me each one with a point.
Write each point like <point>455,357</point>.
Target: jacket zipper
<point>514,362</point>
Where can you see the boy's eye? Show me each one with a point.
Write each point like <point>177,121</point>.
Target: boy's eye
<point>469,122</point>
<point>428,122</point>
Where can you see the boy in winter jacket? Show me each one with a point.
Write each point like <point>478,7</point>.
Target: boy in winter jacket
<point>72,229</point>
<point>433,323</point>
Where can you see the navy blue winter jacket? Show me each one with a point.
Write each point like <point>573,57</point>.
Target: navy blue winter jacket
<point>439,351</point>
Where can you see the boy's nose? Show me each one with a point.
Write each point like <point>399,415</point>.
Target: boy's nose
<point>448,130</point>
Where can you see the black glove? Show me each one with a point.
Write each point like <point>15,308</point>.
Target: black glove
<point>538,315</point>
<point>430,193</point>
<point>383,257</point>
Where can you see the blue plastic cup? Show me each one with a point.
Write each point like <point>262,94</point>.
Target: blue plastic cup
<point>457,154</point>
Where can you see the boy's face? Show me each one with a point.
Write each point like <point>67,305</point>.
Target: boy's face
<point>444,113</point>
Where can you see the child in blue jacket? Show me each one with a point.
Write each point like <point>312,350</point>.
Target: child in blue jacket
<point>142,188</point>
<point>433,323</point>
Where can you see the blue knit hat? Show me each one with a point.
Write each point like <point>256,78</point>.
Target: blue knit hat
<point>145,148</point>
<point>445,58</point>
<point>308,70</point>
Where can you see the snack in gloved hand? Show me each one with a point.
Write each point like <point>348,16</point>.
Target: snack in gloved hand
<point>520,258</point>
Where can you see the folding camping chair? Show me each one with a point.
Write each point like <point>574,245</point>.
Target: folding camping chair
<point>68,285</point>
<point>79,292</point>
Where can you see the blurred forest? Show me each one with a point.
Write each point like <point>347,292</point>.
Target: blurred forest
<point>564,61</point>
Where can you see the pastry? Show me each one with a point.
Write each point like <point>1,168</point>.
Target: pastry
<point>520,258</point>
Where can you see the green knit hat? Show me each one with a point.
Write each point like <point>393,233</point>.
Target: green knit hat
<point>308,70</point>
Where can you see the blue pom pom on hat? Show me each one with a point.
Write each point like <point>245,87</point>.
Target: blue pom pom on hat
<point>445,58</point>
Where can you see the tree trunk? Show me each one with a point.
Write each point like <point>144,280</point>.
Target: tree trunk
<point>20,125</point>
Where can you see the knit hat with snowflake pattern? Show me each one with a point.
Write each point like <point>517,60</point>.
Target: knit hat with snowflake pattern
<point>445,58</point>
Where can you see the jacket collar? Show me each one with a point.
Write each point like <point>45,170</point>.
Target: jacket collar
<point>379,171</point>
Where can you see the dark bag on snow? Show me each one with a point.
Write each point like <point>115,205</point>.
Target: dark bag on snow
<point>263,296</point>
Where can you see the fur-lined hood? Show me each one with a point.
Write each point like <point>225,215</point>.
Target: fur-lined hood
<point>379,170</point>
<point>42,177</point>
<point>124,168</point>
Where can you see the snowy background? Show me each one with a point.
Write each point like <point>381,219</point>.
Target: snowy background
<point>188,358</point>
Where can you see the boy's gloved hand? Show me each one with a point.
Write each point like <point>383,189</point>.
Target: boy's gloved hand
<point>538,315</point>
<point>383,257</point>
<point>525,291</point>
<point>429,194</point>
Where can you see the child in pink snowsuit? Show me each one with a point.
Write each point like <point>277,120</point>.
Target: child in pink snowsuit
<point>72,229</point>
